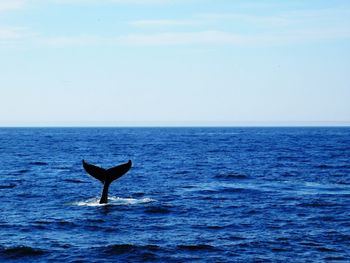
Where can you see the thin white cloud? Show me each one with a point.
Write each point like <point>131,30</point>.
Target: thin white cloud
<point>255,20</point>
<point>200,38</point>
<point>128,2</point>
<point>163,39</point>
<point>141,1</point>
<point>62,41</point>
<point>211,29</point>
<point>228,38</point>
<point>7,5</point>
<point>163,23</point>
<point>169,38</point>
<point>186,38</point>
<point>331,16</point>
<point>13,33</point>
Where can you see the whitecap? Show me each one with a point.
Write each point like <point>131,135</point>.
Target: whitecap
<point>113,201</point>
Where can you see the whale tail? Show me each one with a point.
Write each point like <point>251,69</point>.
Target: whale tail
<point>106,176</point>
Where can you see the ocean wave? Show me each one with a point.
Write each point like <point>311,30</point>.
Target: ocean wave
<point>23,171</point>
<point>117,249</point>
<point>336,258</point>
<point>332,166</point>
<point>317,203</point>
<point>54,224</point>
<point>21,251</point>
<point>38,163</point>
<point>7,186</point>
<point>197,247</point>
<point>158,210</point>
<point>77,181</point>
<point>118,201</point>
<point>231,176</point>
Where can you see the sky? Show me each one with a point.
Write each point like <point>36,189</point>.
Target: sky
<point>174,62</point>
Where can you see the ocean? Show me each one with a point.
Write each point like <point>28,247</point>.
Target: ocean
<point>192,195</point>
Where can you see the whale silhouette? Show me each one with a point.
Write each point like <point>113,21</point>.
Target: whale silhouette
<point>106,176</point>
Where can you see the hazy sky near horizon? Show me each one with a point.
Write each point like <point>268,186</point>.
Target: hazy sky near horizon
<point>85,62</point>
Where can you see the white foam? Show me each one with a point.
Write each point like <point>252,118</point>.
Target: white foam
<point>113,201</point>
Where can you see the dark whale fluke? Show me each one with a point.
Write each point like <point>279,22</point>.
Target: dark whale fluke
<point>106,176</point>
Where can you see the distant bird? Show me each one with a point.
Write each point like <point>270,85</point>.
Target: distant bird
<point>106,176</point>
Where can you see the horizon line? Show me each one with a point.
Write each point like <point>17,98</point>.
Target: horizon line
<point>175,124</point>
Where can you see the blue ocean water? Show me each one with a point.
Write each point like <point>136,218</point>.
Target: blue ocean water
<point>192,195</point>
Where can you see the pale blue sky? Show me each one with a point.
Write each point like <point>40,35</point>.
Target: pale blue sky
<point>174,62</point>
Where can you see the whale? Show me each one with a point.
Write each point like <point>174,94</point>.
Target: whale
<point>106,176</point>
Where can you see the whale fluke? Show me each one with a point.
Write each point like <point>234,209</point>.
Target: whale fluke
<point>106,176</point>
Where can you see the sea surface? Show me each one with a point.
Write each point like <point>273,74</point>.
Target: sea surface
<point>192,195</point>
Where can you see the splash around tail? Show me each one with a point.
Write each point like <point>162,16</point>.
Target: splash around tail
<point>114,201</point>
